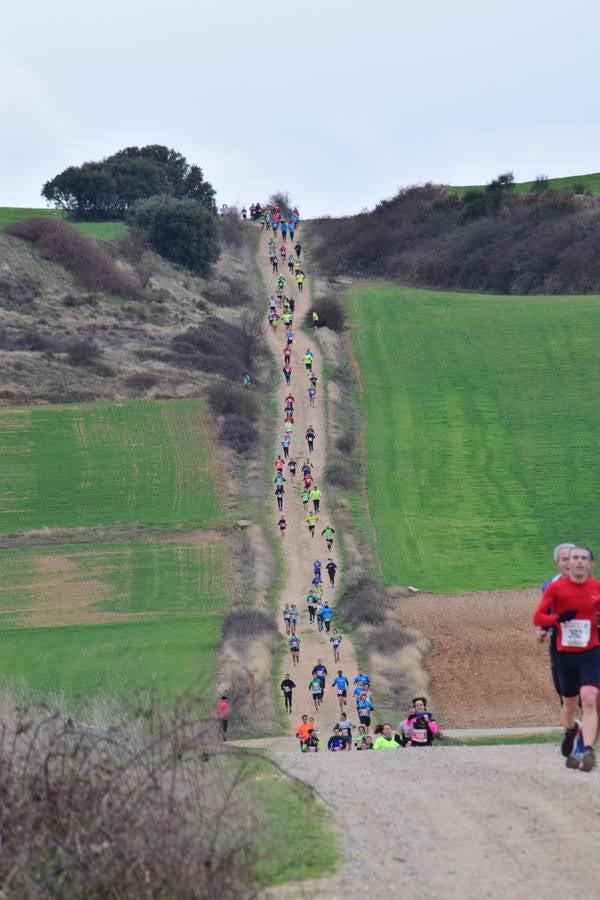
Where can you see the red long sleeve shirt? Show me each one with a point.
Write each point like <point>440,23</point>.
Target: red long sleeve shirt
<point>581,633</point>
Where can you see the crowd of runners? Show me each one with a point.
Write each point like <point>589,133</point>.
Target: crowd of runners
<point>568,618</point>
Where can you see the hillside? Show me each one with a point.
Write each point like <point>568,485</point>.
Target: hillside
<point>588,184</point>
<point>124,425</point>
<point>496,240</point>
<point>475,409</point>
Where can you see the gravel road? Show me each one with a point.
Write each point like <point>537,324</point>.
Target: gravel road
<point>456,823</point>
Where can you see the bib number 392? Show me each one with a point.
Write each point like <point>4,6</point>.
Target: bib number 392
<point>576,633</point>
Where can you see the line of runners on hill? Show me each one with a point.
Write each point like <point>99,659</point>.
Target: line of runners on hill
<point>419,728</point>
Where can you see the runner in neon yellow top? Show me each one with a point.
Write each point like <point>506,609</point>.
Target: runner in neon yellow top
<point>388,740</point>
<point>311,521</point>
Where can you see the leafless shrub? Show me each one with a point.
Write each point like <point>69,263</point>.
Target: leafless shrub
<point>331,312</point>
<point>73,301</point>
<point>342,473</point>
<point>82,352</point>
<point>248,623</point>
<point>27,338</point>
<point>93,812</point>
<point>219,346</point>
<point>85,259</point>
<point>233,231</point>
<point>141,381</point>
<point>19,291</point>
<point>364,603</point>
<point>389,638</point>
<point>226,398</point>
<point>239,433</point>
<point>228,292</point>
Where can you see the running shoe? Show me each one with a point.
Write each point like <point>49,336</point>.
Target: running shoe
<point>588,760</point>
<point>574,760</point>
<point>568,741</point>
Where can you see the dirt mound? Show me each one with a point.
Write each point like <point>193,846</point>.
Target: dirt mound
<point>485,666</point>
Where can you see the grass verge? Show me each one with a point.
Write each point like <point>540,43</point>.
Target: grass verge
<point>477,407</point>
<point>100,231</point>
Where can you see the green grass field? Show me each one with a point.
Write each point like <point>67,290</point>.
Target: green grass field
<point>101,231</point>
<point>591,183</point>
<point>100,464</point>
<point>481,419</point>
<point>109,618</point>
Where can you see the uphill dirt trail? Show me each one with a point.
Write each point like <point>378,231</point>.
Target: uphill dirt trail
<point>299,549</point>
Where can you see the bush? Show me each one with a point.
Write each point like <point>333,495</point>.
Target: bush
<point>141,381</point>
<point>491,240</point>
<point>228,293</point>
<point>83,352</point>
<point>89,263</point>
<point>28,338</point>
<point>182,231</point>
<point>342,474</point>
<point>232,399</point>
<point>72,301</point>
<point>90,812</point>
<point>233,231</point>
<point>330,310</point>
<point>239,433</point>
<point>221,347</point>
<point>364,603</point>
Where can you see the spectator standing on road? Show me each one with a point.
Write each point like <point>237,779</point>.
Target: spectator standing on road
<point>222,712</point>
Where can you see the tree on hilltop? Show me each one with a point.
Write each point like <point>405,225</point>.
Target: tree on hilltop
<point>108,189</point>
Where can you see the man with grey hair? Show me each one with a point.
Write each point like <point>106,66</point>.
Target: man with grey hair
<point>560,556</point>
<point>571,605</point>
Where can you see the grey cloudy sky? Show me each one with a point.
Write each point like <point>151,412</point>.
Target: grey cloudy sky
<point>340,103</point>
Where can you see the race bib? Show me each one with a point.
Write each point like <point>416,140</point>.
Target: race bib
<point>340,691</point>
<point>419,735</point>
<point>575,633</point>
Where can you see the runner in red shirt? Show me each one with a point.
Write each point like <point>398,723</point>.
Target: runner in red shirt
<point>571,605</point>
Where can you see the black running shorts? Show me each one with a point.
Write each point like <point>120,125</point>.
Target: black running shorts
<point>576,670</point>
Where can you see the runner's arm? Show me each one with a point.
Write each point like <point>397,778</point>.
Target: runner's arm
<point>542,616</point>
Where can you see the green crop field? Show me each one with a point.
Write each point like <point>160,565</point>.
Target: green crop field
<point>114,617</point>
<point>101,231</point>
<point>589,183</point>
<point>98,464</point>
<point>481,430</point>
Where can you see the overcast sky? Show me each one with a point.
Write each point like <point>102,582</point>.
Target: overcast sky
<point>339,102</point>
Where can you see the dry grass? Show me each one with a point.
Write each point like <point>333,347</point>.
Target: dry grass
<point>115,810</point>
<point>85,259</point>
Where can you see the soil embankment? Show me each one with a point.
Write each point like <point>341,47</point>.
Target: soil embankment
<point>486,668</point>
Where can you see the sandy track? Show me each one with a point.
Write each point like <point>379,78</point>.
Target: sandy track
<point>456,823</point>
<point>299,549</point>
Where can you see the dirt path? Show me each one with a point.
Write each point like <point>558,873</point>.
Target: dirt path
<point>299,549</point>
<point>456,823</point>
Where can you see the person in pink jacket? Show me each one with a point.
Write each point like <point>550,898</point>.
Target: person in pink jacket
<point>419,729</point>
